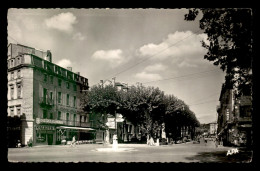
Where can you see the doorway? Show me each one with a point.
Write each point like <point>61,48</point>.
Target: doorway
<point>50,139</point>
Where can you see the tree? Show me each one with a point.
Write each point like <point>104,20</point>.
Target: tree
<point>144,107</point>
<point>100,101</point>
<point>178,115</point>
<point>229,43</point>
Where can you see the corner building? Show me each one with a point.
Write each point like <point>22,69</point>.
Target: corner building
<point>45,97</point>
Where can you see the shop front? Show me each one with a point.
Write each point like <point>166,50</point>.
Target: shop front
<point>45,134</point>
<point>45,131</point>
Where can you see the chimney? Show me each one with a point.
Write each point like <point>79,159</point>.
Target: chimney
<point>69,68</point>
<point>49,55</point>
<point>78,73</point>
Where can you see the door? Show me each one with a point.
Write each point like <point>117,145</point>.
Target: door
<point>50,139</point>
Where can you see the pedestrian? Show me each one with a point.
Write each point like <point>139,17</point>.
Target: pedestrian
<point>216,142</point>
<point>73,142</point>
<point>115,142</point>
<point>18,144</point>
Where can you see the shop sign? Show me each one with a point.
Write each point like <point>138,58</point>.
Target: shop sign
<point>111,123</point>
<point>45,127</point>
<point>48,121</point>
<point>13,128</point>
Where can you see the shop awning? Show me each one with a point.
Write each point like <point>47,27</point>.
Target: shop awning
<point>76,128</point>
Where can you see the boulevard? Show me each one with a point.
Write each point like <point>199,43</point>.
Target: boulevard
<point>186,152</point>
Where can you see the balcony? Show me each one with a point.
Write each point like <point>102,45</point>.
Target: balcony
<point>46,102</point>
<point>244,119</point>
<point>77,123</point>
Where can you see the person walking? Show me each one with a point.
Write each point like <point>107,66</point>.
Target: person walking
<point>216,142</point>
<point>73,142</point>
<point>115,142</point>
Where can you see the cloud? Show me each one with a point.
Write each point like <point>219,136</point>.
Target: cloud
<point>78,36</point>
<point>156,67</point>
<point>113,57</point>
<point>187,64</point>
<point>62,22</point>
<point>178,46</point>
<point>147,76</point>
<point>64,63</point>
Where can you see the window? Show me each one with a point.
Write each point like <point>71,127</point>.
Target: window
<point>18,90</point>
<point>74,118</point>
<point>59,82</point>
<point>45,114</point>
<point>51,115</point>
<point>80,118</point>
<point>45,77</point>
<point>75,87</point>
<point>74,101</point>
<point>51,95</point>
<point>12,92</point>
<point>12,63</point>
<point>18,74</point>
<point>12,111</point>
<point>67,117</point>
<point>68,85</point>
<point>59,97</point>
<point>18,108</point>
<point>59,115</point>
<point>68,99</point>
<point>18,60</point>
<point>12,75</point>
<point>245,111</point>
<point>51,77</point>
<point>227,113</point>
<point>44,95</point>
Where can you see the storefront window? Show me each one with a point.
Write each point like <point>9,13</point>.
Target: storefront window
<point>41,137</point>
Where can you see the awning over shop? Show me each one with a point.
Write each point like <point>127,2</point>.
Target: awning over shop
<point>76,128</point>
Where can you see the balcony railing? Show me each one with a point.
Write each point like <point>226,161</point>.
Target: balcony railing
<point>46,101</point>
<point>76,123</point>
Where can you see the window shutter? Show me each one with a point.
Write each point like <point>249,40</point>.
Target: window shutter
<point>40,90</point>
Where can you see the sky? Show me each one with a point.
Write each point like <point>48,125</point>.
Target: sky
<point>155,47</point>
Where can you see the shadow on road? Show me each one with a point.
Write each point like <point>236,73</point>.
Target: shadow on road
<point>244,156</point>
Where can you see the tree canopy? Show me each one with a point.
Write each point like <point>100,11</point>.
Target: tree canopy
<point>229,43</point>
<point>147,107</point>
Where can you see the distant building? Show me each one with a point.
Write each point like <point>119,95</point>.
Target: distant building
<point>45,97</point>
<point>213,128</point>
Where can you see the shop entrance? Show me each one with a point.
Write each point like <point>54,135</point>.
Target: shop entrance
<point>50,139</point>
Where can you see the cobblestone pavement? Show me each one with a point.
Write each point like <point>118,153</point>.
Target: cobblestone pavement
<point>188,152</point>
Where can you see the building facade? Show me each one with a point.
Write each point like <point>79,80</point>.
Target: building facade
<point>45,96</point>
<point>213,128</point>
<point>234,118</point>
